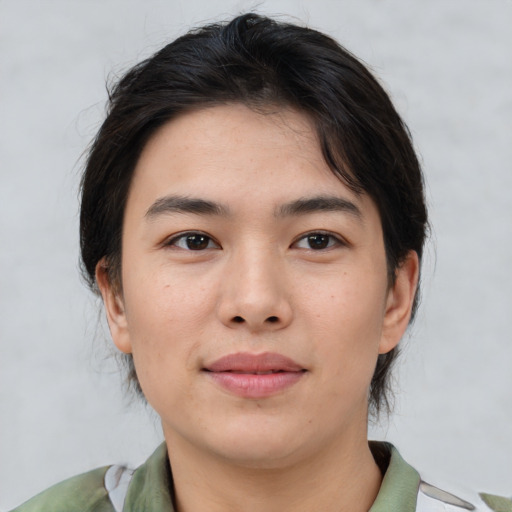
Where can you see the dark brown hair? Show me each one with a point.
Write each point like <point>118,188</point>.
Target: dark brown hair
<point>259,62</point>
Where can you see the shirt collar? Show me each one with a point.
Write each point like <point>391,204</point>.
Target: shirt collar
<point>399,488</point>
<point>151,486</point>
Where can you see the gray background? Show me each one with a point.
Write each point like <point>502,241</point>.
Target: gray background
<point>448,66</point>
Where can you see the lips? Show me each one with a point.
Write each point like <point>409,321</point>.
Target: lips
<point>243,362</point>
<point>255,375</point>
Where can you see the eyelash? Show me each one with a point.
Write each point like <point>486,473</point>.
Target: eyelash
<point>332,241</point>
<point>173,242</point>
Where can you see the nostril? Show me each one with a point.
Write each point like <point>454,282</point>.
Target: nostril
<point>238,319</point>
<point>272,319</point>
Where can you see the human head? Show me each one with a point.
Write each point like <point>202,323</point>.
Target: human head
<point>262,64</point>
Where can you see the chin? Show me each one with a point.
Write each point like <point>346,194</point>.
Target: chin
<point>260,444</point>
<point>263,455</point>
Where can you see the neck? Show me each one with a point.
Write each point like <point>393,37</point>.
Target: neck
<point>342,478</point>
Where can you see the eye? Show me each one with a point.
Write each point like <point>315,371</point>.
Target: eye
<point>317,241</point>
<point>193,242</point>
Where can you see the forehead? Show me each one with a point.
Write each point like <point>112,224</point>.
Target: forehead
<point>233,154</point>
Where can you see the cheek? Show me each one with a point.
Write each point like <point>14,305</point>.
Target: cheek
<point>348,302</point>
<point>347,320</point>
<point>165,318</point>
<point>160,324</point>
<point>164,300</point>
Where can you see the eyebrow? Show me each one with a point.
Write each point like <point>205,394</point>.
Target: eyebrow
<point>302,206</point>
<point>184,204</point>
<point>319,204</point>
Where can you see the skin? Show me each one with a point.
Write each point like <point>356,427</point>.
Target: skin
<point>256,285</point>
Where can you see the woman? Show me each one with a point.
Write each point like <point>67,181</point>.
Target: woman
<point>253,216</point>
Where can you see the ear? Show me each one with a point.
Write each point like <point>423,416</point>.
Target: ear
<point>114,308</point>
<point>399,303</point>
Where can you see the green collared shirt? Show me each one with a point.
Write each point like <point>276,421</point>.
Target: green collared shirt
<point>149,489</point>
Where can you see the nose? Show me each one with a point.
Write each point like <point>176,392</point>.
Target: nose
<point>254,294</point>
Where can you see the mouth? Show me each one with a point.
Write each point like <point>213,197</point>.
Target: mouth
<point>255,375</point>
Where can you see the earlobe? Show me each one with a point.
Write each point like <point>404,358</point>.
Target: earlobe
<point>114,308</point>
<point>399,303</point>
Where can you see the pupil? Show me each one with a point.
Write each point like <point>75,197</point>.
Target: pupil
<point>197,242</point>
<point>318,241</point>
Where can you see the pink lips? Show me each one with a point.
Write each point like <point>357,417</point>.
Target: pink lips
<point>255,375</point>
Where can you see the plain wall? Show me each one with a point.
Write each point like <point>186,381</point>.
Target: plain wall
<point>448,66</point>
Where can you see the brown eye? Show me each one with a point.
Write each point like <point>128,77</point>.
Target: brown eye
<point>318,241</point>
<point>193,242</point>
<point>197,242</point>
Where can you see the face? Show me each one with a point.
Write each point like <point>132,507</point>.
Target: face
<point>255,297</point>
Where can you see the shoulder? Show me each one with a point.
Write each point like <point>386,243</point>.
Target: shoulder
<point>82,493</point>
<point>111,489</point>
<point>404,489</point>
